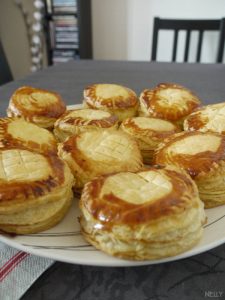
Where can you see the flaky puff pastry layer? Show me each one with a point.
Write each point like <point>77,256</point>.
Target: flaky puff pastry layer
<point>116,99</point>
<point>79,120</point>
<point>17,132</point>
<point>210,118</point>
<point>202,155</point>
<point>168,101</point>
<point>94,153</point>
<point>35,190</point>
<point>38,106</point>
<point>145,215</point>
<point>149,133</point>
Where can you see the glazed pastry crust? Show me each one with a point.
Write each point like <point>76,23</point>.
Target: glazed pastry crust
<point>35,189</point>
<point>168,101</point>
<point>144,215</point>
<point>38,106</point>
<point>118,100</point>
<point>202,155</point>
<point>149,133</point>
<point>18,133</point>
<point>52,216</point>
<point>79,120</point>
<point>210,118</point>
<point>90,154</point>
<point>28,178</point>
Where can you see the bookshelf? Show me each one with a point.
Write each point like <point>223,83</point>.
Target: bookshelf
<point>68,30</point>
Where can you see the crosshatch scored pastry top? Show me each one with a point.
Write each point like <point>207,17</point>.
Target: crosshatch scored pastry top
<point>209,118</point>
<point>104,147</point>
<point>110,96</point>
<point>197,152</point>
<point>27,175</point>
<point>168,101</point>
<point>28,102</point>
<point>17,132</point>
<point>166,191</point>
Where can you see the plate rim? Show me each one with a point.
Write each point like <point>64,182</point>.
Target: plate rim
<point>113,261</point>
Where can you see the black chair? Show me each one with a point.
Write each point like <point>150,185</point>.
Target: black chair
<point>187,25</point>
<point>5,73</point>
<point>221,41</point>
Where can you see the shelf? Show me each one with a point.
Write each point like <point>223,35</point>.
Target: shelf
<point>50,16</point>
<point>61,29</point>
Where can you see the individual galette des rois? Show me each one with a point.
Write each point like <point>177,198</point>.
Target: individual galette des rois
<point>38,106</point>
<point>116,99</point>
<point>94,153</point>
<point>202,155</point>
<point>168,101</point>
<point>149,133</point>
<point>35,189</point>
<point>142,215</point>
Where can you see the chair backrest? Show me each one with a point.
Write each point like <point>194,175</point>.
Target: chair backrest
<point>5,73</point>
<point>221,41</point>
<point>188,26</point>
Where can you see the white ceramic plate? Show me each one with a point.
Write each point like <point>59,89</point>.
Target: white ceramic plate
<point>65,243</point>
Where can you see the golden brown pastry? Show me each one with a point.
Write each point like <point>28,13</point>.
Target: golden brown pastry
<point>145,215</point>
<point>116,99</point>
<point>93,153</point>
<point>35,189</point>
<point>149,133</point>
<point>210,118</point>
<point>16,132</point>
<point>79,120</point>
<point>168,101</point>
<point>38,106</point>
<point>202,155</point>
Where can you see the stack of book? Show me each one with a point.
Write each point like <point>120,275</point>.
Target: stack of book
<point>59,56</point>
<point>64,33</point>
<point>64,6</point>
<point>66,38</point>
<point>63,20</point>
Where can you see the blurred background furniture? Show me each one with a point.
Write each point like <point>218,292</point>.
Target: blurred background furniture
<point>188,26</point>
<point>68,30</point>
<point>221,41</point>
<point>5,73</point>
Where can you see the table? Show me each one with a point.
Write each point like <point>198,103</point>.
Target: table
<point>195,278</point>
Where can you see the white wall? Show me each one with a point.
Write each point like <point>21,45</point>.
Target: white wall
<point>123,28</point>
<point>109,27</point>
<point>14,37</point>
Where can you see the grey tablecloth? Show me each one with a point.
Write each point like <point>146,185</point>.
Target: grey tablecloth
<point>70,79</point>
<point>196,278</point>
